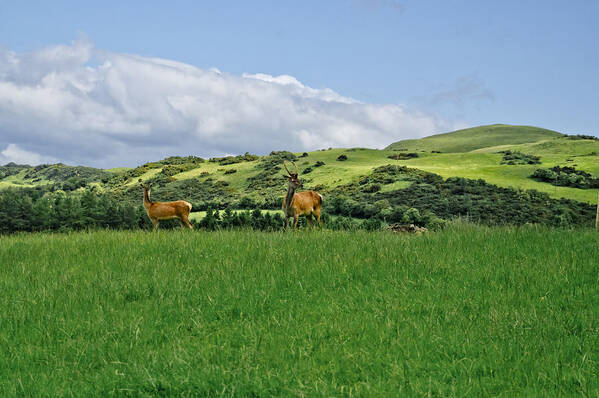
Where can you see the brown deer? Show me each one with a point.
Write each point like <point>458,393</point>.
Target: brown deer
<point>306,203</point>
<point>166,210</point>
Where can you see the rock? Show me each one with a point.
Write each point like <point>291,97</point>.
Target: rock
<point>407,228</point>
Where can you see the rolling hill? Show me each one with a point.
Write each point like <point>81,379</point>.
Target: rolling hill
<point>474,138</point>
<point>472,153</point>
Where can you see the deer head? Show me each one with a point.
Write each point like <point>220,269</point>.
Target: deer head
<point>148,187</point>
<point>294,181</point>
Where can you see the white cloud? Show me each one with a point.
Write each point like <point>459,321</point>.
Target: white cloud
<point>81,105</point>
<point>13,153</point>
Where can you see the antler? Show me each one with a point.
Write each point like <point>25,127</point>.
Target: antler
<point>296,171</point>
<point>285,165</point>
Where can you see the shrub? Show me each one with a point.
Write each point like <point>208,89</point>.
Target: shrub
<point>223,161</point>
<point>372,224</point>
<point>411,216</point>
<point>342,158</point>
<point>582,137</point>
<point>230,171</point>
<point>247,203</point>
<point>514,157</point>
<point>181,160</point>
<point>403,156</point>
<point>343,223</point>
<point>372,188</point>
<point>566,176</point>
<point>172,169</point>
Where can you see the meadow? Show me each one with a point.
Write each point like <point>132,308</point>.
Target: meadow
<point>466,311</point>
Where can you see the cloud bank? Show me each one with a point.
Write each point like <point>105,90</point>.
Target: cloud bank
<point>81,105</point>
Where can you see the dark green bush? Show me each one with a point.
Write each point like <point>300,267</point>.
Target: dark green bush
<point>567,177</point>
<point>514,157</point>
<point>582,137</point>
<point>223,161</point>
<point>403,156</point>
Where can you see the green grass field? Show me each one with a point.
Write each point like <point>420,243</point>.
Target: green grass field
<point>469,311</point>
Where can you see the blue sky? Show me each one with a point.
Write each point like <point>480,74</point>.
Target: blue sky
<point>463,63</point>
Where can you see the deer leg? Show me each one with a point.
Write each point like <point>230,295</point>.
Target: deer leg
<point>310,220</point>
<point>285,223</point>
<point>317,214</point>
<point>155,223</point>
<point>186,221</point>
<point>295,219</point>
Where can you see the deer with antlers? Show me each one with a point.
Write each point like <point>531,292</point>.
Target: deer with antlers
<point>295,204</point>
<point>166,210</point>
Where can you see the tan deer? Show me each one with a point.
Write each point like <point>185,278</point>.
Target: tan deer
<point>295,204</point>
<point>166,210</point>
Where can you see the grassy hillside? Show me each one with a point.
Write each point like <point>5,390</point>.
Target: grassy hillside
<point>486,164</point>
<point>262,179</point>
<point>481,164</point>
<point>468,311</point>
<point>475,138</point>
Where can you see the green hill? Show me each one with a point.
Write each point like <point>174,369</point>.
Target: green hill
<point>476,138</point>
<point>249,181</point>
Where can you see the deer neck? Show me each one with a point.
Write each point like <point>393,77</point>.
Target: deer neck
<point>289,197</point>
<point>147,201</point>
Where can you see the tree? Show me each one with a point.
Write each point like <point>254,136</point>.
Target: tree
<point>88,209</point>
<point>228,218</point>
<point>40,214</point>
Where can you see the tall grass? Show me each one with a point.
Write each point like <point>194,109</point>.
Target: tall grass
<point>468,311</point>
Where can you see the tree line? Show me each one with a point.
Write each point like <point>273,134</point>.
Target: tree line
<point>28,211</point>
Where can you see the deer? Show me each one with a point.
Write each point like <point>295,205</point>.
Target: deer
<point>165,210</point>
<point>295,204</point>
